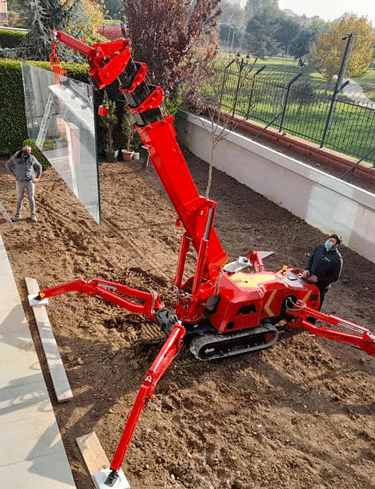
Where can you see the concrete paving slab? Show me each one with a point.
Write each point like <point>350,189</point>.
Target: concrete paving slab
<point>16,343</point>
<point>6,270</point>
<point>19,363</point>
<point>26,369</point>
<point>12,316</point>
<point>23,401</point>
<point>29,438</point>
<point>41,473</point>
<point>32,453</point>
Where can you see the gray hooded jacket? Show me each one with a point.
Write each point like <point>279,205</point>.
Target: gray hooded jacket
<point>25,170</point>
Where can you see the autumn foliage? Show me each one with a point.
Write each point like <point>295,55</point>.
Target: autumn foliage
<point>330,47</point>
<point>176,38</point>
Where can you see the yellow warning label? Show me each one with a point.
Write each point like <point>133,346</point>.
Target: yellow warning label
<point>251,280</point>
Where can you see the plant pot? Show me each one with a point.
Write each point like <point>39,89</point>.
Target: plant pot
<point>127,155</point>
<point>111,155</point>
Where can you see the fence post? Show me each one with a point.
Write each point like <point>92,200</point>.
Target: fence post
<point>225,80</point>
<point>286,100</point>
<point>352,168</point>
<point>242,65</point>
<point>252,89</point>
<point>339,85</point>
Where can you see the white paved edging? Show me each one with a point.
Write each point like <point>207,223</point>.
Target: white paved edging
<point>32,454</point>
<point>322,200</point>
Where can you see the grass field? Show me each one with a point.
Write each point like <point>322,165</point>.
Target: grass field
<point>302,108</point>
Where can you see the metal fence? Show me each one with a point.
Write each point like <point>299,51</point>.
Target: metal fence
<point>341,118</point>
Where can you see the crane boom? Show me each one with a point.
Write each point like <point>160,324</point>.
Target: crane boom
<point>112,61</point>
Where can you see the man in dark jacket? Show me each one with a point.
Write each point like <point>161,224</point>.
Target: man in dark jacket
<point>27,171</point>
<point>324,266</point>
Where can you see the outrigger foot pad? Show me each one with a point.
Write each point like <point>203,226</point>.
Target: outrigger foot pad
<point>36,300</point>
<point>107,478</point>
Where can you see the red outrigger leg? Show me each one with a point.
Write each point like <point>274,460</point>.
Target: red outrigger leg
<point>160,365</point>
<point>361,337</point>
<point>119,294</point>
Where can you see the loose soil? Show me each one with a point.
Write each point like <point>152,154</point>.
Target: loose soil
<point>300,415</point>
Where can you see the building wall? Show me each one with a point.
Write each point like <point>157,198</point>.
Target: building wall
<point>3,9</point>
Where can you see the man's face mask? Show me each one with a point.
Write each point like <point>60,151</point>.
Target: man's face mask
<point>328,245</point>
<point>25,154</point>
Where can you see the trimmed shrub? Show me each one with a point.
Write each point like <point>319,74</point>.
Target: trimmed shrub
<point>13,128</point>
<point>37,153</point>
<point>10,39</point>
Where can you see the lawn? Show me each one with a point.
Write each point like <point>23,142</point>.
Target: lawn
<point>299,106</point>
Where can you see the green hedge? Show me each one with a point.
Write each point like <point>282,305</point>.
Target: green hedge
<point>10,39</point>
<point>13,129</point>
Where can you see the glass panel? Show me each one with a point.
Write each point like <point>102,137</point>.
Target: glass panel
<point>60,119</point>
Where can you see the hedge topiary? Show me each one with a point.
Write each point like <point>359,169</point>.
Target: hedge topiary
<point>11,39</point>
<point>13,129</point>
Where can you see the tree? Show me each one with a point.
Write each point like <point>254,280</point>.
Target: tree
<point>231,14</point>
<point>286,32</point>
<point>42,16</point>
<point>330,47</point>
<point>259,38</point>
<point>115,8</point>
<point>254,7</point>
<point>206,100</point>
<point>230,37</point>
<point>176,38</point>
<point>300,45</point>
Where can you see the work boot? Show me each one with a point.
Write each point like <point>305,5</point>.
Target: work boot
<point>16,218</point>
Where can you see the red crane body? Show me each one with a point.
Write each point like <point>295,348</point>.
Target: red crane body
<point>223,309</point>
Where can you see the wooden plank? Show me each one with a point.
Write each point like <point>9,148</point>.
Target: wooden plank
<point>92,453</point>
<point>97,462</point>
<point>59,378</point>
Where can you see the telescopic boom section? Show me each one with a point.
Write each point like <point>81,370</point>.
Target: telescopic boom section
<point>112,61</point>
<point>152,377</point>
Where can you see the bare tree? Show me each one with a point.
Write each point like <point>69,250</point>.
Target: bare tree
<point>207,101</point>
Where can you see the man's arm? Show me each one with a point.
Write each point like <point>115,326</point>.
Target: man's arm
<point>38,170</point>
<point>9,165</point>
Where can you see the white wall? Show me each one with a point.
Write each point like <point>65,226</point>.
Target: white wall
<point>325,202</point>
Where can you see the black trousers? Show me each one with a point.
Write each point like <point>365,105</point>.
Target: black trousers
<point>322,291</point>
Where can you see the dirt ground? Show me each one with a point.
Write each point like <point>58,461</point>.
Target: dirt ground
<point>300,415</point>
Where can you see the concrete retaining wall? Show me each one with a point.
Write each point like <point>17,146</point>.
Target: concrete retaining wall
<point>322,200</point>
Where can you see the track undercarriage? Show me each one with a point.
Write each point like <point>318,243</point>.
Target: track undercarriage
<point>213,346</point>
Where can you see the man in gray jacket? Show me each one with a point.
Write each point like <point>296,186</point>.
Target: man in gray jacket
<point>27,171</point>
